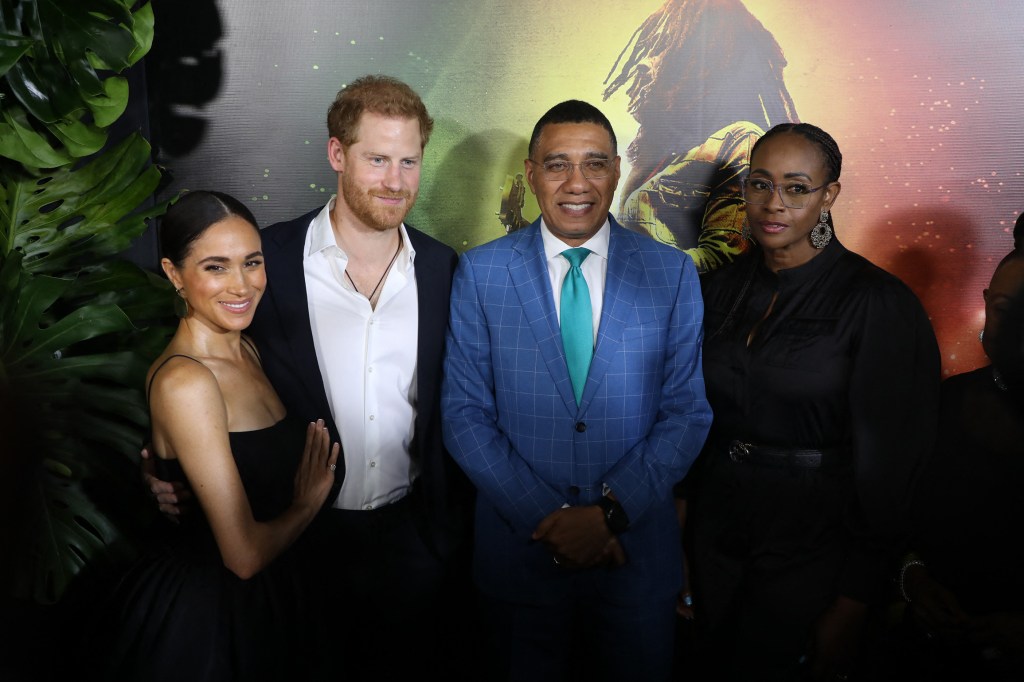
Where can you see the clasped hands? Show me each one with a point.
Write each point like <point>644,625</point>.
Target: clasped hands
<point>578,537</point>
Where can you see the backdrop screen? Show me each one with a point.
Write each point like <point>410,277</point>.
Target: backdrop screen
<point>922,97</point>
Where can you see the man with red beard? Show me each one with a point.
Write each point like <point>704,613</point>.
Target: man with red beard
<point>350,287</point>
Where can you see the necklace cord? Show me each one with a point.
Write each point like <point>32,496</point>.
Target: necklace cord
<point>385,274</point>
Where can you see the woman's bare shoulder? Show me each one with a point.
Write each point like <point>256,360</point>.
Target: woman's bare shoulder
<point>180,376</point>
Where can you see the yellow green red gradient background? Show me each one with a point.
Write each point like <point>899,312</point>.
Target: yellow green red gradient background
<point>924,99</point>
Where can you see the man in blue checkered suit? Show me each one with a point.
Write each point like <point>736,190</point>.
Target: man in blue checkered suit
<point>577,545</point>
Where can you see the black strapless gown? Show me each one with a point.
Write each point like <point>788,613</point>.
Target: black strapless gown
<point>184,616</point>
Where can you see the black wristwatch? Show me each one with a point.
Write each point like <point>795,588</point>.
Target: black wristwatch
<point>614,514</point>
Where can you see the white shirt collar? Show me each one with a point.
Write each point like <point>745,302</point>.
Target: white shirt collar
<point>598,244</point>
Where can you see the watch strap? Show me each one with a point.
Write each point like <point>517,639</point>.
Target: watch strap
<point>614,514</point>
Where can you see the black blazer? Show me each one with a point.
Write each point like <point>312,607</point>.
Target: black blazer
<point>282,332</point>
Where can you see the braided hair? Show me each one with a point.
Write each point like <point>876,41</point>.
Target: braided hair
<point>825,143</point>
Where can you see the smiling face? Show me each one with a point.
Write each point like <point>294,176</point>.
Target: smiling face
<point>379,174</point>
<point>574,209</point>
<point>782,232</point>
<point>222,275</point>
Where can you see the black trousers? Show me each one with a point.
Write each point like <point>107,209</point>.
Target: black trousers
<point>389,601</point>
<point>766,548</point>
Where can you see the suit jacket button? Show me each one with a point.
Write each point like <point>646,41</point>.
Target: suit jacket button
<point>581,427</point>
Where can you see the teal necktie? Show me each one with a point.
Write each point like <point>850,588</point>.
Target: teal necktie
<point>577,321</point>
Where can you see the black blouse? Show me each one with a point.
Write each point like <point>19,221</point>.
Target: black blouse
<point>847,359</point>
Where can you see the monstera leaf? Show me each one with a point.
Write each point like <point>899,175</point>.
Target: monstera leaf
<point>76,336</point>
<point>68,216</point>
<point>69,536</point>
<point>78,326</point>
<point>84,407</point>
<point>58,84</point>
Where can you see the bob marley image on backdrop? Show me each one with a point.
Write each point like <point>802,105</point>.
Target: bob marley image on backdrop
<point>700,108</point>
<point>923,99</point>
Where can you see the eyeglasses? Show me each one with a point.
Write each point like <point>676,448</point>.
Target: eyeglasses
<point>558,169</point>
<point>758,191</point>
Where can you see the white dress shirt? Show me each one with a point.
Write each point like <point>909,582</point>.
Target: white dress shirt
<point>594,268</point>
<point>367,359</point>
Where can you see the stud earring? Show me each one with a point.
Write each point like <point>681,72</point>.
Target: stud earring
<point>821,234</point>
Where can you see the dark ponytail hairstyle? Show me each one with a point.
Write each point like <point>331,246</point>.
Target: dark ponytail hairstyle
<point>191,216</point>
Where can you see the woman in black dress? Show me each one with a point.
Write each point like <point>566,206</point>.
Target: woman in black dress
<point>964,581</point>
<point>823,373</point>
<point>214,604</point>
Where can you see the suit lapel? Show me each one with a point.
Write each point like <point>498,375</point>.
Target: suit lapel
<point>625,272</point>
<point>528,271</point>
<point>432,308</point>
<point>287,293</point>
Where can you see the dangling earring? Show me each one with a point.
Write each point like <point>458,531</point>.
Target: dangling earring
<point>821,234</point>
<point>981,336</point>
<point>180,303</point>
<point>745,232</point>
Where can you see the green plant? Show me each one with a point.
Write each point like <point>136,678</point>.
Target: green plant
<point>76,323</point>
<point>58,102</point>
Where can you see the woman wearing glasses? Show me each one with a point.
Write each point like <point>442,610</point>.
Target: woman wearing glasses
<point>823,372</point>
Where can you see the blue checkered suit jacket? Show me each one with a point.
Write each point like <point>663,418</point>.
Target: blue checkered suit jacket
<point>512,423</point>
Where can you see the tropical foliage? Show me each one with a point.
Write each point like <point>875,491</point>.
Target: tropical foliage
<point>53,55</point>
<point>75,321</point>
